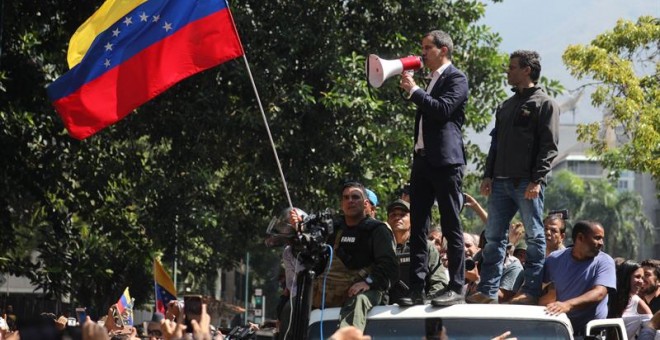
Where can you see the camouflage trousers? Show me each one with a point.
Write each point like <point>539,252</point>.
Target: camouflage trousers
<point>339,279</point>
<point>354,311</point>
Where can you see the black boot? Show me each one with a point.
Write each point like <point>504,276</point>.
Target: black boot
<point>415,297</point>
<point>448,298</point>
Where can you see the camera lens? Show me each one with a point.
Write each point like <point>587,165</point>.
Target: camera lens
<point>469,264</point>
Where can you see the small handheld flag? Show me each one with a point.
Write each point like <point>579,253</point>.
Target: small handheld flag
<point>125,307</point>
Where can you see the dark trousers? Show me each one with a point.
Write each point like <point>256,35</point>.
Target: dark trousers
<point>441,184</point>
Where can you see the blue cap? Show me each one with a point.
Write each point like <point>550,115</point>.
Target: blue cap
<point>371,196</point>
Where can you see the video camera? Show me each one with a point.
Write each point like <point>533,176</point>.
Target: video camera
<point>309,244</point>
<point>306,238</point>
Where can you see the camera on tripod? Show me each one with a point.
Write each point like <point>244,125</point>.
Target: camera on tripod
<point>312,233</point>
<point>306,237</point>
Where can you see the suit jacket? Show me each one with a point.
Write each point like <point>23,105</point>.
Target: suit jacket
<point>444,114</point>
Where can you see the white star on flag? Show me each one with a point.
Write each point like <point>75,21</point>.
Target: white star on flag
<point>167,26</point>
<point>144,16</point>
<point>128,21</point>
<point>156,17</point>
<point>107,63</point>
<point>108,46</point>
<point>115,32</point>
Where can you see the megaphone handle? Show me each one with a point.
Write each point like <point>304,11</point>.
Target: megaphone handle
<point>404,94</point>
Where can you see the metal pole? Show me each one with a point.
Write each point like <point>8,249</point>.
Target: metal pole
<point>176,242</point>
<point>270,136</point>
<point>247,286</point>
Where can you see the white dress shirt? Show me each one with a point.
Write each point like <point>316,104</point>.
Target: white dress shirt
<point>435,75</point>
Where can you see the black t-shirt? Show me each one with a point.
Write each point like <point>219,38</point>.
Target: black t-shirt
<point>655,304</point>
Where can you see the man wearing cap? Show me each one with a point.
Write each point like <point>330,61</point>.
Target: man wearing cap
<point>372,203</point>
<point>398,219</point>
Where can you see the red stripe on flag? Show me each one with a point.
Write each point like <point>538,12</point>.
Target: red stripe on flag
<point>200,45</point>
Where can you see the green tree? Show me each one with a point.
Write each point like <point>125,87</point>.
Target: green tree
<point>620,213</point>
<point>192,169</point>
<point>624,64</point>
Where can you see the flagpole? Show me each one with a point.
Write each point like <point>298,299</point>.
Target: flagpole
<point>176,250</point>
<point>270,136</point>
<point>261,108</point>
<point>247,285</point>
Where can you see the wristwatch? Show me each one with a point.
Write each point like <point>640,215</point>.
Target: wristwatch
<point>369,280</point>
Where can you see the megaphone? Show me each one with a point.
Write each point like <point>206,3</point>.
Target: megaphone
<point>379,70</point>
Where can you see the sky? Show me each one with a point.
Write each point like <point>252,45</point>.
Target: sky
<point>549,27</point>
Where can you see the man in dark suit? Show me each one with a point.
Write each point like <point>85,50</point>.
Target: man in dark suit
<point>438,165</point>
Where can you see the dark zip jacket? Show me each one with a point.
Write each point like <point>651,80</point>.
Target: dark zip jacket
<point>525,137</point>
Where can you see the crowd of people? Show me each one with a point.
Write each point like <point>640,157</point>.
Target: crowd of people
<point>409,260</point>
<point>580,280</point>
<point>519,262</point>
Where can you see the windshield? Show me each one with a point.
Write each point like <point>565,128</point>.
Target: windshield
<point>459,329</point>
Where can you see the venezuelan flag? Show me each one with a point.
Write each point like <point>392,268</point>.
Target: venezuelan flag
<point>130,51</point>
<point>124,301</point>
<point>165,290</point>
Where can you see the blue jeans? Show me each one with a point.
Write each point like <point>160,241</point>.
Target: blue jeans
<point>508,197</point>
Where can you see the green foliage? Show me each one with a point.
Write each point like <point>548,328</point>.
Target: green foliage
<point>620,213</point>
<point>192,170</point>
<point>624,62</point>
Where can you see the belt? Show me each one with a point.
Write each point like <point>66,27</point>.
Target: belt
<point>420,152</point>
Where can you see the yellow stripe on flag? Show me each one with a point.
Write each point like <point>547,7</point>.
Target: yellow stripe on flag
<point>109,13</point>
<point>163,279</point>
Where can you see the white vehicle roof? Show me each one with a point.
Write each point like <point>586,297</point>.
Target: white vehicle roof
<point>462,311</point>
<point>394,322</point>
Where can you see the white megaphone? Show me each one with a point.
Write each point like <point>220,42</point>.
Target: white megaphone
<point>379,70</point>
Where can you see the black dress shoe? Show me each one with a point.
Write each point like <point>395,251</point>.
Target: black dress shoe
<point>448,298</point>
<point>415,297</point>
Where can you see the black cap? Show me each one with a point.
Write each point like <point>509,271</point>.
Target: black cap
<point>401,204</point>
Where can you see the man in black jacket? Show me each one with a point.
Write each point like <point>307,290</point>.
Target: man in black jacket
<point>364,266</point>
<point>524,143</point>
<point>438,164</point>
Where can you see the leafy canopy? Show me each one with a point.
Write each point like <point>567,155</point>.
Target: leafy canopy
<point>625,66</point>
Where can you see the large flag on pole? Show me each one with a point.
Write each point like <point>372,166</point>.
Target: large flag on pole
<point>130,51</point>
<point>165,291</point>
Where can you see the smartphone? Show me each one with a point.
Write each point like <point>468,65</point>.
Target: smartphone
<point>192,310</point>
<point>81,315</point>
